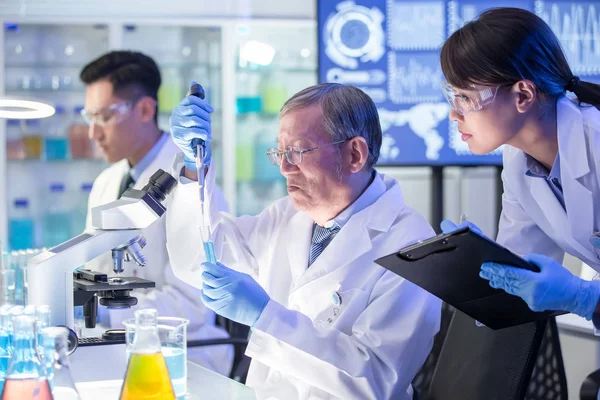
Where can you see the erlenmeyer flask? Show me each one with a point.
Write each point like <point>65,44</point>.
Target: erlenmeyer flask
<point>147,376</point>
<point>63,386</point>
<point>25,378</point>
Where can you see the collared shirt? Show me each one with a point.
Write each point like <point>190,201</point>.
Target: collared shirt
<point>367,198</point>
<point>537,170</point>
<point>137,170</point>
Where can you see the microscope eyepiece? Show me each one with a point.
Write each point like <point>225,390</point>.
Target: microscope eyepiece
<point>160,185</point>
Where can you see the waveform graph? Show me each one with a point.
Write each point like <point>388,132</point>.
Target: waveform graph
<point>415,25</point>
<point>577,26</point>
<point>461,12</point>
<point>414,77</point>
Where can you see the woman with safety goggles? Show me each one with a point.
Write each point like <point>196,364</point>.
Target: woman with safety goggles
<point>507,83</point>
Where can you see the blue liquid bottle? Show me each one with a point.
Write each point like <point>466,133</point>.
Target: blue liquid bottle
<point>56,144</point>
<point>57,219</point>
<point>20,225</point>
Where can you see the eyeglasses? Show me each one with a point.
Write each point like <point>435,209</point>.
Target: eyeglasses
<point>474,100</point>
<point>113,113</point>
<point>293,154</point>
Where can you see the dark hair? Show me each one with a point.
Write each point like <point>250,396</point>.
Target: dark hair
<point>132,75</point>
<point>505,45</point>
<point>347,112</point>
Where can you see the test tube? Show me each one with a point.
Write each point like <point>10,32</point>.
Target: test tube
<point>8,286</point>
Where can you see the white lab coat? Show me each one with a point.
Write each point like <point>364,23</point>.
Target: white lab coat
<point>533,220</point>
<point>303,346</point>
<point>171,297</point>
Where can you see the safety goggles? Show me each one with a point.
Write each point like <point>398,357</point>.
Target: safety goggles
<point>112,114</point>
<point>469,100</point>
<point>293,154</point>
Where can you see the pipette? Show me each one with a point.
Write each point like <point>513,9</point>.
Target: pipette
<point>200,150</point>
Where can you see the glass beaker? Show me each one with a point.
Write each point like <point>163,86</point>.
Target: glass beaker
<point>172,332</point>
<point>25,378</point>
<point>147,376</point>
<point>55,355</point>
<point>43,322</point>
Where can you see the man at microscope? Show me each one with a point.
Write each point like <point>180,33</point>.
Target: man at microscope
<point>121,108</point>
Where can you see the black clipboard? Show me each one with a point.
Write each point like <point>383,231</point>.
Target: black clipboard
<point>448,266</point>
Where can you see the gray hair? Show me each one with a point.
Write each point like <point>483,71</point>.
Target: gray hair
<point>348,112</point>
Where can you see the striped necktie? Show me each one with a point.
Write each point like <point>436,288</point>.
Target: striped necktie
<point>320,239</point>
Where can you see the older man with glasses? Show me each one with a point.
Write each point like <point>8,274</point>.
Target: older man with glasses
<point>327,322</point>
<point>121,108</point>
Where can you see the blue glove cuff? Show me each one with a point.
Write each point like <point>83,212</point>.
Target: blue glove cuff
<point>190,161</point>
<point>189,164</point>
<point>586,298</point>
<point>260,312</point>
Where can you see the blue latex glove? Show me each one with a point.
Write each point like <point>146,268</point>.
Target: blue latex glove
<point>191,120</point>
<point>232,294</point>
<point>553,288</point>
<point>449,226</point>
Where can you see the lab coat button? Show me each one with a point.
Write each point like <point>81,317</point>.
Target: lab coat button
<point>336,297</point>
<point>595,241</point>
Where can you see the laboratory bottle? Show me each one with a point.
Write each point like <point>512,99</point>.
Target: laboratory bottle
<point>25,378</point>
<point>20,225</point>
<point>56,145</point>
<point>78,132</point>
<point>32,139</point>
<point>14,140</point>
<point>63,385</point>
<point>147,376</point>
<point>244,151</point>
<point>79,213</point>
<point>169,93</point>
<point>57,219</point>
<point>265,138</point>
<point>274,92</point>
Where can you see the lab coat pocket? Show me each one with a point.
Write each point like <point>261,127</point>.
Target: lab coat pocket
<point>344,309</point>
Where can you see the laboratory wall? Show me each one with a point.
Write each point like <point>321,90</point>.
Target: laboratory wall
<point>298,9</point>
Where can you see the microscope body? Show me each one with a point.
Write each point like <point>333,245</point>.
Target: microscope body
<point>116,227</point>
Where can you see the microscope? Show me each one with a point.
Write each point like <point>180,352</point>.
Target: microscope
<point>116,227</point>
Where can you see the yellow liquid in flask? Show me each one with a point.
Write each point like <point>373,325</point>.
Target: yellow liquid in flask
<point>147,377</point>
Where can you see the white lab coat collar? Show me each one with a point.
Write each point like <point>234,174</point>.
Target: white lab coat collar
<point>575,164</point>
<point>360,230</point>
<point>137,170</point>
<point>168,150</point>
<point>571,140</point>
<point>373,191</point>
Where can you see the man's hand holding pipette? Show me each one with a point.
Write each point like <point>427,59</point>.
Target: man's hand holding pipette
<point>191,120</point>
<point>190,129</point>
